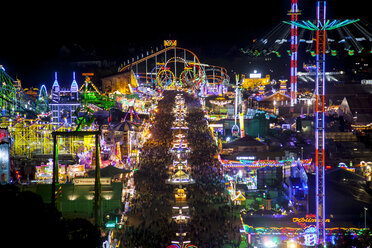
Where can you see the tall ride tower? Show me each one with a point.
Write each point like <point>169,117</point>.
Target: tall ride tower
<point>319,120</point>
<point>320,27</point>
<point>294,12</point>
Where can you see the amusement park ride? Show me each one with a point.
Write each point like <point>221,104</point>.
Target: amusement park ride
<point>14,101</point>
<point>31,121</point>
<point>71,110</point>
<point>324,37</point>
<point>61,123</point>
<point>289,37</point>
<point>176,67</point>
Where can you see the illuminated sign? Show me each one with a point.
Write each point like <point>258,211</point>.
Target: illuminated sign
<point>246,158</point>
<point>366,82</point>
<point>307,219</point>
<point>255,74</point>
<point>216,125</point>
<point>110,224</point>
<point>170,43</point>
<point>91,181</point>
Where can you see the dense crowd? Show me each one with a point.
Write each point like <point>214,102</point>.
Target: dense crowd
<point>213,222</point>
<point>150,223</point>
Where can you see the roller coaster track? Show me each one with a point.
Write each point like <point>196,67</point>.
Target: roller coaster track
<point>127,67</point>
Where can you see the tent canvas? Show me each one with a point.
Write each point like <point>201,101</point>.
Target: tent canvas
<point>239,197</point>
<point>180,174</point>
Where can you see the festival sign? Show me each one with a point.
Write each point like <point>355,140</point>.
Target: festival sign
<point>307,220</point>
<point>91,181</point>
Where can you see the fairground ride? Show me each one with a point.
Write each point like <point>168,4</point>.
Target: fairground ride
<point>325,36</point>
<point>321,27</point>
<point>175,67</point>
<point>34,137</point>
<point>348,36</point>
<point>14,102</point>
<point>90,95</point>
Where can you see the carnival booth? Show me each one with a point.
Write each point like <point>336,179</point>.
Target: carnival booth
<point>180,195</point>
<point>75,170</point>
<point>44,173</point>
<point>180,177</point>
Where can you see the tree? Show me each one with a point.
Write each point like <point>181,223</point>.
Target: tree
<point>30,222</point>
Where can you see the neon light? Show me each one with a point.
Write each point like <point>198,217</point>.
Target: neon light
<point>307,220</point>
<point>293,52</point>
<point>191,246</point>
<point>55,86</point>
<point>74,85</point>
<point>43,91</point>
<point>173,246</point>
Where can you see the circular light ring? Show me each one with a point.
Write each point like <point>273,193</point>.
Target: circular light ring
<point>155,70</point>
<point>187,77</point>
<point>165,78</point>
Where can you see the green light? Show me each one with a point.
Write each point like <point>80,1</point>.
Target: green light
<point>329,25</point>
<point>338,23</point>
<point>302,24</point>
<point>110,225</point>
<point>311,25</point>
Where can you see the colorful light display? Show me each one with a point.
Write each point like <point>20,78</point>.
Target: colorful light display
<point>182,246</point>
<point>308,232</point>
<point>320,27</point>
<point>320,123</point>
<point>294,12</point>
<point>254,164</point>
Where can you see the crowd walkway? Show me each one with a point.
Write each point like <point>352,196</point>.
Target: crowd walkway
<point>152,221</point>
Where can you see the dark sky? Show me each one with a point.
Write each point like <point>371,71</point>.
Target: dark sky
<point>33,34</point>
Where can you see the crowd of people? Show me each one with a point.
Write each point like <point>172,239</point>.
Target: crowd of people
<point>149,218</point>
<point>150,224</point>
<point>213,221</point>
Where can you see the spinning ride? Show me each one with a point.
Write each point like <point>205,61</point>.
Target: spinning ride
<point>325,37</point>
<point>349,35</point>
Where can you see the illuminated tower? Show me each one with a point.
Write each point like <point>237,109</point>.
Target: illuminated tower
<point>319,120</point>
<point>74,89</point>
<point>294,12</point>
<point>55,100</point>
<point>55,90</point>
<point>320,26</point>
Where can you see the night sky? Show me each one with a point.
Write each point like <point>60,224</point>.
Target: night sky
<point>32,43</point>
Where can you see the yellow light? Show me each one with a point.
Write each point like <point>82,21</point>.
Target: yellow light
<point>291,244</point>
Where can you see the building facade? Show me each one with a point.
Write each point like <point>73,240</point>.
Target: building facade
<point>64,102</point>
